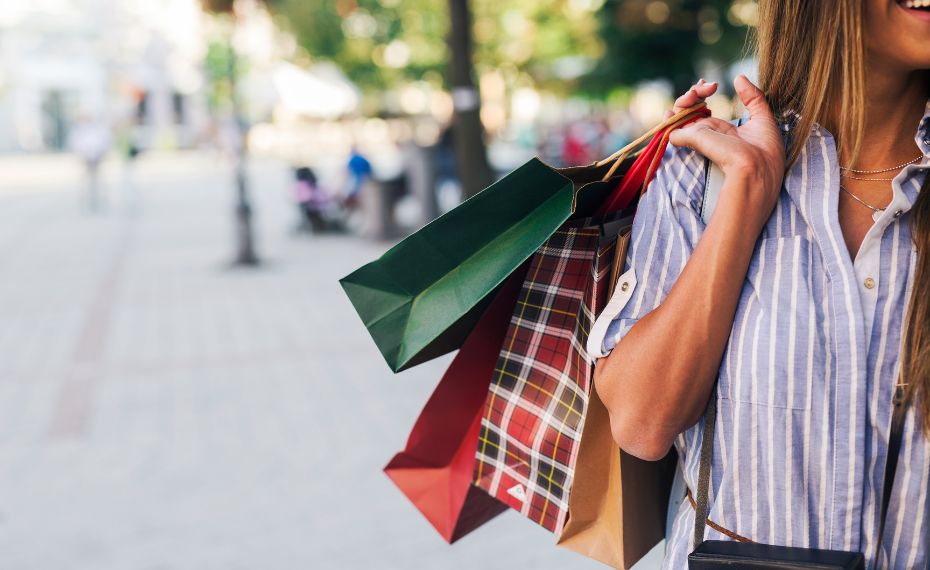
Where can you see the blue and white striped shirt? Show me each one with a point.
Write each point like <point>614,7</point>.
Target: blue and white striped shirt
<point>805,386</point>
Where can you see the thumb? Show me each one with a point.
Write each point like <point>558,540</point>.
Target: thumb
<point>752,97</point>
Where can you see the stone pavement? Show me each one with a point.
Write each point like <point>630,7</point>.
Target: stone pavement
<point>162,411</point>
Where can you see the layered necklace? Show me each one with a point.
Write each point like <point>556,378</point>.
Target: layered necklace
<point>852,173</point>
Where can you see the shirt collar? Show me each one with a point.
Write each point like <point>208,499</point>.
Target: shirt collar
<point>923,131</point>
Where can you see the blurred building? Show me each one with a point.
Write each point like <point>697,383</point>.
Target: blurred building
<point>134,65</point>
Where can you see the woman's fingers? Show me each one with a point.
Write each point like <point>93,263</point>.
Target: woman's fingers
<point>698,92</point>
<point>704,137</point>
<point>719,125</point>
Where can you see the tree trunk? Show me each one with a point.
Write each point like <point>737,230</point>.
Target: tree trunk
<point>468,136</point>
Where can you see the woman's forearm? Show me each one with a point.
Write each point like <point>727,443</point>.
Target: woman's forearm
<point>656,381</point>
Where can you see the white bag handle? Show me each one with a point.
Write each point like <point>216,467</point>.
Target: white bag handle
<point>712,186</point>
<point>713,182</point>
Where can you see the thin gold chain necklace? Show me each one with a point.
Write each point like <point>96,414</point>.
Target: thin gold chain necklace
<point>876,211</point>
<point>879,171</point>
<point>851,177</point>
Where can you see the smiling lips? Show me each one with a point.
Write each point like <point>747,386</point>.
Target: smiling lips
<point>915,4</point>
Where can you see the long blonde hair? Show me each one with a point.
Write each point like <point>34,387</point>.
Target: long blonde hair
<point>812,65</point>
<point>812,62</point>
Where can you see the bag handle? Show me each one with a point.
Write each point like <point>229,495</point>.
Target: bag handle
<point>658,140</point>
<point>623,152</point>
<point>637,178</point>
<point>713,183</point>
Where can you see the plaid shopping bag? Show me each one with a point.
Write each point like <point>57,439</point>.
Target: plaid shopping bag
<point>539,392</point>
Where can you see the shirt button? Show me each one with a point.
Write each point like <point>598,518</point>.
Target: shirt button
<point>624,286</point>
<point>898,213</point>
<point>869,283</point>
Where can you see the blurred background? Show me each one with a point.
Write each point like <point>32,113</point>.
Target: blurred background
<point>182,182</point>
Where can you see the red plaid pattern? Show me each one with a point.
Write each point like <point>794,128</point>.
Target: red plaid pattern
<point>538,395</point>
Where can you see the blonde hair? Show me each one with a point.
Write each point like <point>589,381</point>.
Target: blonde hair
<point>812,67</point>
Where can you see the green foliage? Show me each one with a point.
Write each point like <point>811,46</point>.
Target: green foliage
<point>550,41</point>
<point>650,39</point>
<point>376,42</point>
<point>368,39</point>
<point>596,46</point>
<point>218,65</point>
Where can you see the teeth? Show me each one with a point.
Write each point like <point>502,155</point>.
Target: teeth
<point>915,3</point>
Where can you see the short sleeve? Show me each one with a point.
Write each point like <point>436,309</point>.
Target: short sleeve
<point>665,231</point>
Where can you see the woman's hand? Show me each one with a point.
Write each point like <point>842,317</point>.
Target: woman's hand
<point>754,151</point>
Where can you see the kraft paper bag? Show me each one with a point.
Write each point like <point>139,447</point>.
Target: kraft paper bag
<point>618,503</point>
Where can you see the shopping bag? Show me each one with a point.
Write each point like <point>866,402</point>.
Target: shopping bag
<point>435,468</point>
<point>538,394</point>
<point>538,397</point>
<point>423,296</point>
<point>618,503</point>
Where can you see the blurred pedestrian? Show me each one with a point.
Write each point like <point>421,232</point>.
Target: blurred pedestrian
<point>359,172</point>
<point>312,201</point>
<point>130,148</point>
<point>575,151</point>
<point>90,140</point>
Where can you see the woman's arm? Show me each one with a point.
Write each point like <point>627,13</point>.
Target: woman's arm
<point>656,381</point>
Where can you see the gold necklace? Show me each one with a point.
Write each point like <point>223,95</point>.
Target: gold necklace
<point>876,211</point>
<point>851,177</point>
<point>879,171</point>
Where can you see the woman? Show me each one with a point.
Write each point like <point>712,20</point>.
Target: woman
<point>796,298</point>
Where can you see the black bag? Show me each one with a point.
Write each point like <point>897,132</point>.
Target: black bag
<point>719,554</point>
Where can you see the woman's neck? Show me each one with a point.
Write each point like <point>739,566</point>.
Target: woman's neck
<point>895,102</point>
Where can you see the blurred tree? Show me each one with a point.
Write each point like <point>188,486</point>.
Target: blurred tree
<point>471,154</point>
<point>379,43</point>
<point>222,66</point>
<point>552,42</point>
<point>650,39</point>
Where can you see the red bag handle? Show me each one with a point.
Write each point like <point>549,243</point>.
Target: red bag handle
<point>641,172</point>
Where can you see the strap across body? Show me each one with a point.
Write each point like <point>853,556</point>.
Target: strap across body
<point>714,181</point>
<point>707,451</point>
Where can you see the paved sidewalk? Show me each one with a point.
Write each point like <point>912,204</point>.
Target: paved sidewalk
<point>160,410</point>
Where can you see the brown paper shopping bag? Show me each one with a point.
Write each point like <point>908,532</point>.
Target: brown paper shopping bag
<point>618,503</point>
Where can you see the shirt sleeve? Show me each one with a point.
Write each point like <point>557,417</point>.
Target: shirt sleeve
<point>665,230</point>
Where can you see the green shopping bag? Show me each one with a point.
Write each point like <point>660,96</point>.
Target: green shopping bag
<point>422,298</point>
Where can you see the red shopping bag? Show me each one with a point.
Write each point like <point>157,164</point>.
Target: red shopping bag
<point>435,468</point>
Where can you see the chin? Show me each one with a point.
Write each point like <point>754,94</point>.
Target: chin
<point>899,31</point>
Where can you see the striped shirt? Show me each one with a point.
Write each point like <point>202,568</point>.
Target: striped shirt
<point>806,382</point>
